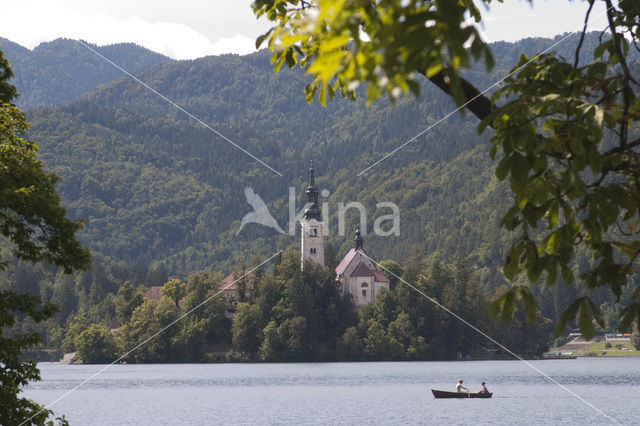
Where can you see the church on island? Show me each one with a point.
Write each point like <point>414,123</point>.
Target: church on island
<point>356,274</point>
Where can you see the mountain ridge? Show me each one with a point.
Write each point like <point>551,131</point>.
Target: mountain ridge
<point>58,72</point>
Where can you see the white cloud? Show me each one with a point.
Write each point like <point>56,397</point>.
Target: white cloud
<point>512,21</point>
<point>176,40</point>
<point>240,44</point>
<point>193,28</point>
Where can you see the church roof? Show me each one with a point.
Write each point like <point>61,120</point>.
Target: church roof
<point>380,277</point>
<point>344,263</point>
<point>154,293</point>
<point>115,324</point>
<point>362,270</point>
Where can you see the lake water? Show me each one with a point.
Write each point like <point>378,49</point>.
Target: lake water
<point>384,393</point>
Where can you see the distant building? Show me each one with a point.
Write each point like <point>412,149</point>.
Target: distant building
<point>231,286</point>
<point>617,337</point>
<point>154,293</point>
<point>358,276</point>
<point>312,227</point>
<point>115,325</point>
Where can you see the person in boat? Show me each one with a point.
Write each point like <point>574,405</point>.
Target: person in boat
<point>460,388</point>
<point>484,389</point>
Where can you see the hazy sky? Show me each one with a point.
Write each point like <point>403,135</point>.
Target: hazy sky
<point>184,29</point>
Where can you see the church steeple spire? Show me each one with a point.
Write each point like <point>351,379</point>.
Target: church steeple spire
<point>313,212</point>
<point>358,239</point>
<point>312,244</point>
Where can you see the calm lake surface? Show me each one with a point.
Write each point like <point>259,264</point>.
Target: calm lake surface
<point>344,393</point>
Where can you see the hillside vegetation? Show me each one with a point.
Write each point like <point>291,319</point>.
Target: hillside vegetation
<point>58,72</point>
<point>162,196</point>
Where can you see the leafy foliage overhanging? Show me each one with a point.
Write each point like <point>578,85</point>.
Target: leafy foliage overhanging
<point>34,223</point>
<point>549,122</point>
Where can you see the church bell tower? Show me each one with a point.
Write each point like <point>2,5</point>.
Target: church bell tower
<point>312,226</point>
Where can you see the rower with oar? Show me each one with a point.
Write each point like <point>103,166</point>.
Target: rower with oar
<point>460,388</point>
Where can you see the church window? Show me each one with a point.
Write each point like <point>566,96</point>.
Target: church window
<point>364,292</point>
<point>364,285</point>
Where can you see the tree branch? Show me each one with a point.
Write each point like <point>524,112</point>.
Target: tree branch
<point>584,31</point>
<point>616,43</point>
<point>479,104</point>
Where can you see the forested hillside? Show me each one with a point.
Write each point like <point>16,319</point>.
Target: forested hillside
<point>60,71</point>
<point>162,196</point>
<point>154,185</point>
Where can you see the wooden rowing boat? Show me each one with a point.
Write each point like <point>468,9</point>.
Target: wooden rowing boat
<point>446,394</point>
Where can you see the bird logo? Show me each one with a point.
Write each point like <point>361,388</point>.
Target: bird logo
<point>260,213</point>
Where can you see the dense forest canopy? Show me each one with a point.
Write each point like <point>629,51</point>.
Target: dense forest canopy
<point>129,161</point>
<point>162,197</point>
<point>59,72</point>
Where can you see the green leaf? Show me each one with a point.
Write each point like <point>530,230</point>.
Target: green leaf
<point>483,125</point>
<point>551,243</point>
<point>509,305</point>
<point>552,270</point>
<point>291,58</point>
<point>433,70</point>
<point>519,171</point>
<point>600,49</point>
<point>310,91</point>
<point>567,275</point>
<point>553,214</point>
<point>585,324</point>
<point>595,160</point>
<point>502,170</point>
<point>530,303</point>
<point>534,269</point>
<point>567,316</point>
<point>280,56</point>
<point>629,314</point>
<point>322,96</point>
<point>262,38</point>
<point>511,266</point>
<point>496,307</point>
<point>334,43</point>
<point>506,304</point>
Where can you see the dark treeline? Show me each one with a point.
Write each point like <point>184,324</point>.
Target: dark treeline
<point>288,315</point>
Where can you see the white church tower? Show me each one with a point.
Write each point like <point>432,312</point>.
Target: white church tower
<point>311,226</point>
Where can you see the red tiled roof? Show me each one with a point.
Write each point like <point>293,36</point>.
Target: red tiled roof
<point>362,270</point>
<point>154,293</point>
<point>344,263</point>
<point>380,277</point>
